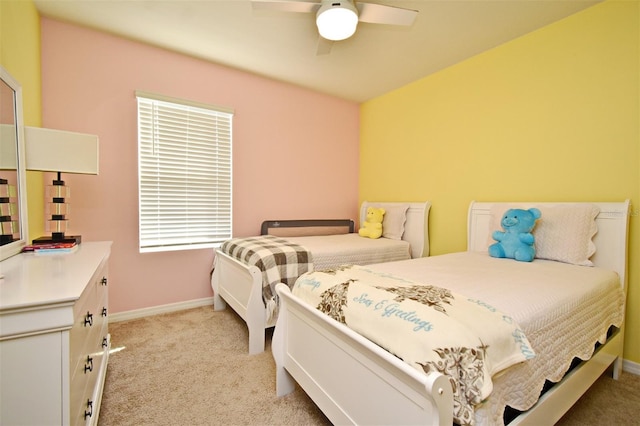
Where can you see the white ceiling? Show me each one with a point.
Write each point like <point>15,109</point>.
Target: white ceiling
<point>281,45</point>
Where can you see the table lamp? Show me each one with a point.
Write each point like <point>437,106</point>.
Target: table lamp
<point>9,227</point>
<point>59,151</point>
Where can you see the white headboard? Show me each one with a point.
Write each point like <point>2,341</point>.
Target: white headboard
<point>610,240</point>
<point>416,228</point>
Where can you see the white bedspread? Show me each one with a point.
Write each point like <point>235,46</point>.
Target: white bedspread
<point>334,250</point>
<point>563,310</point>
<point>428,327</point>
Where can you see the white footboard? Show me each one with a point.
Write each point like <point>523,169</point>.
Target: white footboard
<point>240,286</point>
<point>351,379</point>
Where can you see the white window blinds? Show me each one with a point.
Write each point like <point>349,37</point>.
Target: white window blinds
<point>184,173</point>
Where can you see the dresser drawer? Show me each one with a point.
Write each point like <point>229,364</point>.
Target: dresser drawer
<point>86,411</point>
<point>78,400</point>
<point>88,366</point>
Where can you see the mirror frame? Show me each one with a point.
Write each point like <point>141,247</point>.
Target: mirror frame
<point>16,247</point>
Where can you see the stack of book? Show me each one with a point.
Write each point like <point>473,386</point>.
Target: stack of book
<point>51,248</point>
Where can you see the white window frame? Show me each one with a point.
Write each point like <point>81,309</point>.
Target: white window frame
<point>184,174</point>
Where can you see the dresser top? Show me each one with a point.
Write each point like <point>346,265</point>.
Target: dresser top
<point>32,280</point>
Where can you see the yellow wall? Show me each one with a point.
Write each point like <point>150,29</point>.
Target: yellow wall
<point>20,56</point>
<point>551,116</point>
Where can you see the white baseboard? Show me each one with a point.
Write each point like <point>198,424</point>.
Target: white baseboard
<point>631,367</point>
<point>162,309</point>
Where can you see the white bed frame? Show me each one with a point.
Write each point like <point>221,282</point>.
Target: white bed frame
<point>240,285</point>
<point>354,381</point>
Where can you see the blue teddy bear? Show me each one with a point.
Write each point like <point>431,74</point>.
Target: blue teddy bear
<point>517,241</point>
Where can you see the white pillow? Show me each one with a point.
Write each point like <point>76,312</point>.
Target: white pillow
<point>394,220</point>
<point>563,233</point>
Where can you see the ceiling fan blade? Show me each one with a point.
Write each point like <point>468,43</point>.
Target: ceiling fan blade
<point>324,46</point>
<point>374,13</point>
<point>286,5</point>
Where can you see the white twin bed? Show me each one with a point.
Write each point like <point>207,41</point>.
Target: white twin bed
<point>244,285</point>
<point>565,304</point>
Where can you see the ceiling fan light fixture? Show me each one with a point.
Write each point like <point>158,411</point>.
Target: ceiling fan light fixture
<point>337,20</point>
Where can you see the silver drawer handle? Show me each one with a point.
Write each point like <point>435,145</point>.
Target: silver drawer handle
<point>88,365</point>
<point>88,319</point>
<point>90,407</point>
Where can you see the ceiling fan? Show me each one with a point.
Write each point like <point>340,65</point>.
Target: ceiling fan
<point>338,19</point>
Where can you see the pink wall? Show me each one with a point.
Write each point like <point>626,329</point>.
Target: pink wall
<point>295,151</point>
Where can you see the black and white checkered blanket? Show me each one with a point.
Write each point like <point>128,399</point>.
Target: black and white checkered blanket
<point>278,259</point>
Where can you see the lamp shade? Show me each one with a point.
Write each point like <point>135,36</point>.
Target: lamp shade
<point>337,20</point>
<point>50,150</point>
<point>8,147</point>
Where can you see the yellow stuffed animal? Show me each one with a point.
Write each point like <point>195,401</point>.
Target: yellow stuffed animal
<point>372,227</point>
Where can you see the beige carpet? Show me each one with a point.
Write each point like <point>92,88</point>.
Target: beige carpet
<point>192,368</point>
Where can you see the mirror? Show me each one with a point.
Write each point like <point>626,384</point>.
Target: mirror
<point>13,194</point>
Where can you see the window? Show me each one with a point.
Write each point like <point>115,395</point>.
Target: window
<point>184,173</point>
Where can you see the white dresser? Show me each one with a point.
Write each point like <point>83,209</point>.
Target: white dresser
<point>54,338</point>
